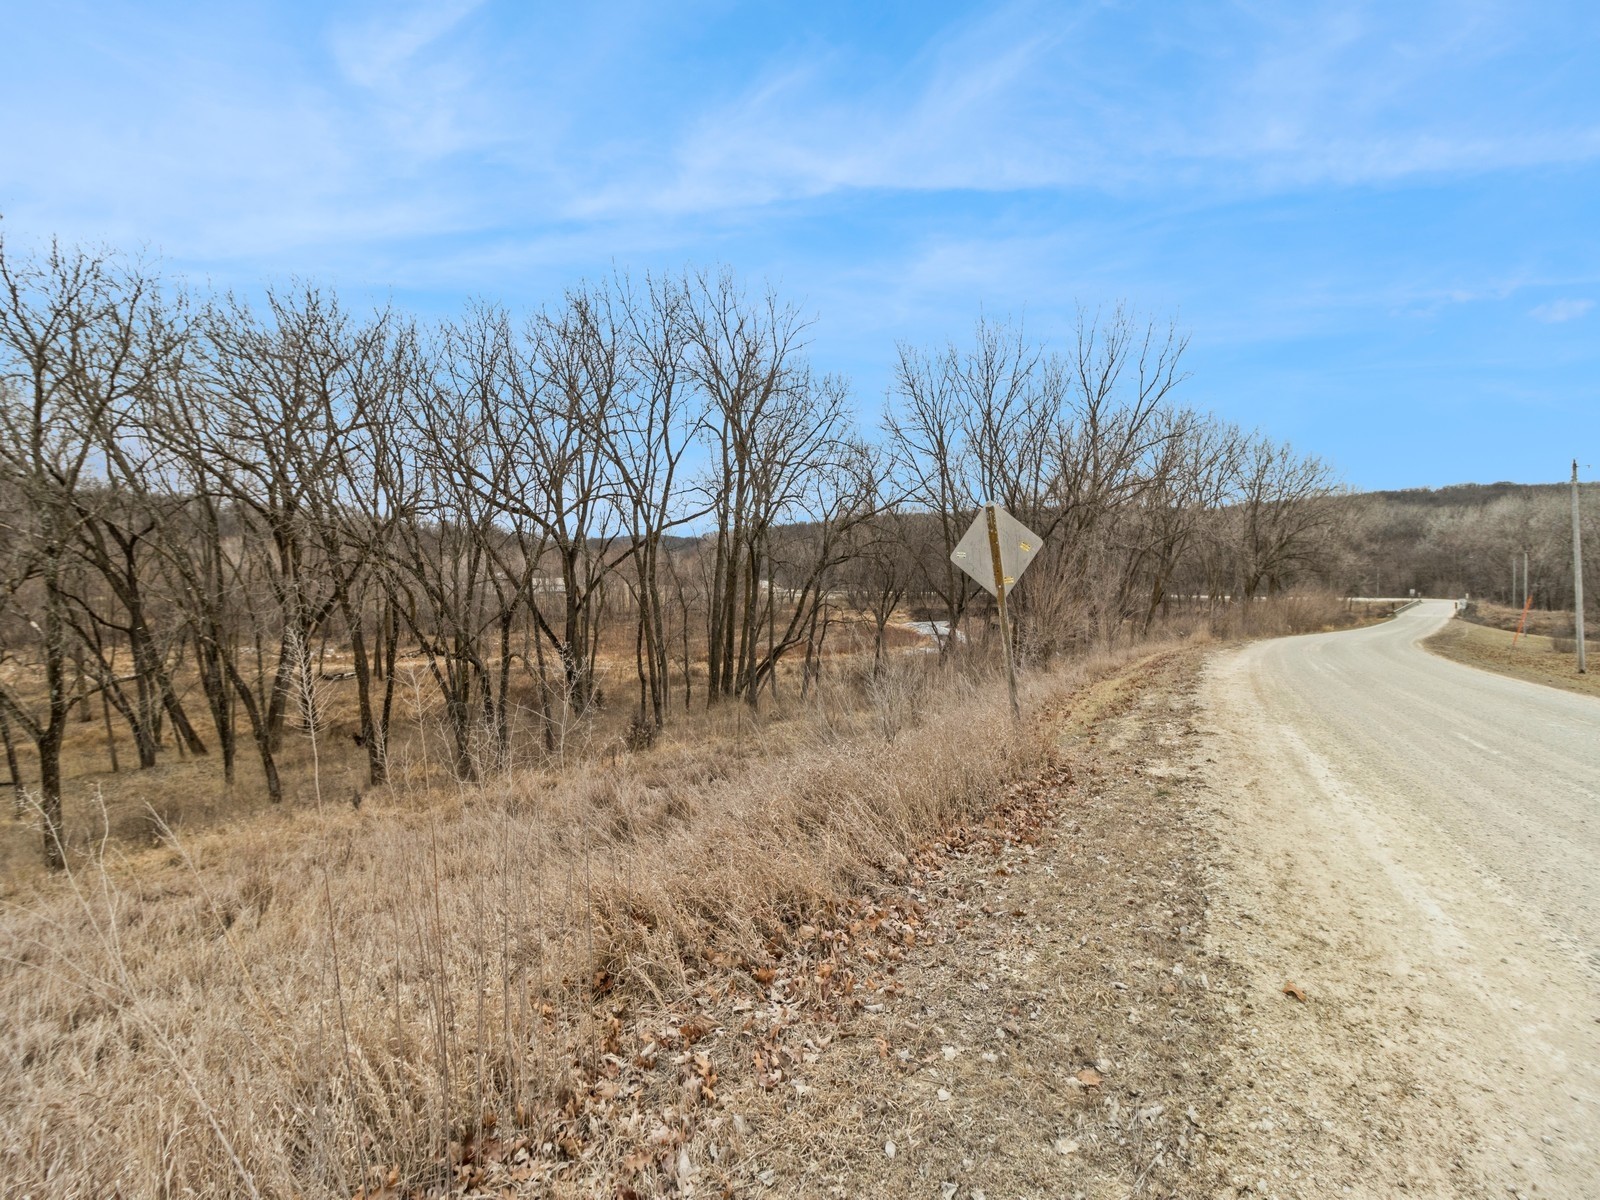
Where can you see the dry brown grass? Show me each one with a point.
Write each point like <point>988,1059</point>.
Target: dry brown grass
<point>1061,948</point>
<point>188,794</point>
<point>1303,612</point>
<point>306,1001</point>
<point>1547,622</point>
<point>1535,657</point>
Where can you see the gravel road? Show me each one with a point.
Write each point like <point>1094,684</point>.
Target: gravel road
<point>1414,844</point>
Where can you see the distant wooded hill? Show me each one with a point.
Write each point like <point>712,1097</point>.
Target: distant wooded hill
<point>1461,539</point>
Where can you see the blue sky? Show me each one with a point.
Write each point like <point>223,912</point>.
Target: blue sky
<point>1380,223</point>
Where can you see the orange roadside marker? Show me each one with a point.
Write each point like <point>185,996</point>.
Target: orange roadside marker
<point>1527,604</point>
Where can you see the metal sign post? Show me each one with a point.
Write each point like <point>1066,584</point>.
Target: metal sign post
<point>1008,546</point>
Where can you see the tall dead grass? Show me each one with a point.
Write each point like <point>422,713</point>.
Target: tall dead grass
<point>316,999</point>
<point>1287,615</point>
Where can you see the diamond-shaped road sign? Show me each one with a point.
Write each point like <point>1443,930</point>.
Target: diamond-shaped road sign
<point>1018,545</point>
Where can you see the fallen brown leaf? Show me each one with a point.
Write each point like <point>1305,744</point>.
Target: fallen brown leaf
<point>692,1031</point>
<point>1291,988</point>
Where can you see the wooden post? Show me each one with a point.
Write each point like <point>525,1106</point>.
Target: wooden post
<point>1000,603</point>
<point>1577,574</point>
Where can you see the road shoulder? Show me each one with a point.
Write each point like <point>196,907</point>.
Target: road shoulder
<point>1533,659</point>
<point>1051,1031</point>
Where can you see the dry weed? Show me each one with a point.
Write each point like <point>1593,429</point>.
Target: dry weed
<point>1286,615</point>
<point>316,1001</point>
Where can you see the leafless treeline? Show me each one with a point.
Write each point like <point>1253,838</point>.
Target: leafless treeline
<point>1465,540</point>
<point>200,488</point>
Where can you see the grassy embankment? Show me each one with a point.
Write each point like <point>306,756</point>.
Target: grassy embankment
<point>1543,654</point>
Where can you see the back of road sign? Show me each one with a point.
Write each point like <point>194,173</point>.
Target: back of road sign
<point>1018,545</point>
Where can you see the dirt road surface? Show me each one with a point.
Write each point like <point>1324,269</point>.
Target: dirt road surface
<point>1414,845</point>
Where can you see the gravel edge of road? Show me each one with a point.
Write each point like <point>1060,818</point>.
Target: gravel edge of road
<point>1055,1032</point>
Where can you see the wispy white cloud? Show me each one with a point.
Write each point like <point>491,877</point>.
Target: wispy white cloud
<point>803,129</point>
<point>1030,96</point>
<point>1556,311</point>
<point>420,87</point>
<point>288,143</point>
<point>376,52</point>
<point>466,126</point>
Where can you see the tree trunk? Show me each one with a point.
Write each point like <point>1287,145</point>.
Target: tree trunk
<point>261,734</point>
<point>49,744</point>
<point>546,721</point>
<point>370,735</point>
<point>13,769</point>
<point>214,683</point>
<point>180,719</point>
<point>111,733</point>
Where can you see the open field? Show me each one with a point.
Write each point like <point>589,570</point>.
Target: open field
<point>1538,658</point>
<point>324,996</point>
<point>187,793</point>
<point>1548,622</point>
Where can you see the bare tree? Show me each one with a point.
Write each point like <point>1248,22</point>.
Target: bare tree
<point>1121,373</point>
<point>657,419</point>
<point>79,334</point>
<point>925,426</point>
<point>117,527</point>
<point>456,576</point>
<point>1197,464</point>
<point>268,429</point>
<point>802,559</point>
<point>357,514</point>
<point>880,565</point>
<point>1279,513</point>
<point>974,425</point>
<point>744,357</point>
<point>782,452</point>
<point>546,400</point>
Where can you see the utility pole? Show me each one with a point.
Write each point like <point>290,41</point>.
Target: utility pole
<point>1527,588</point>
<point>1513,579</point>
<point>1577,573</point>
